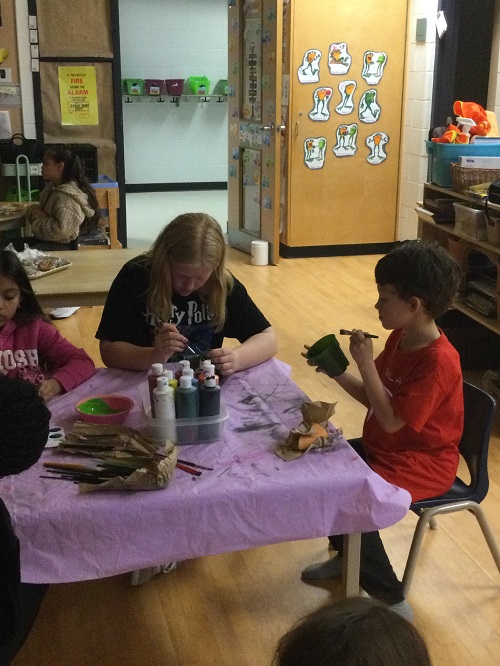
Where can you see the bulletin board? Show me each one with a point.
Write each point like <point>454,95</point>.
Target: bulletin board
<point>8,40</point>
<point>101,135</point>
<point>77,29</point>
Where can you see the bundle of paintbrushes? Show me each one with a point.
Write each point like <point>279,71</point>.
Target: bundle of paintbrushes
<point>124,459</point>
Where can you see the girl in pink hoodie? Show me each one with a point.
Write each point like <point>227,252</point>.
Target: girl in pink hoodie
<point>30,347</point>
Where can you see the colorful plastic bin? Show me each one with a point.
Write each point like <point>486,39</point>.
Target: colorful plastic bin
<point>199,85</point>
<point>175,86</point>
<point>134,86</point>
<point>442,155</point>
<point>155,86</point>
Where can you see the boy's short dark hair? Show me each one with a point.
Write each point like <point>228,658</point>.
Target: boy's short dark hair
<point>425,270</point>
<point>351,632</point>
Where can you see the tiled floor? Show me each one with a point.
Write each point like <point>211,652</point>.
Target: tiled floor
<point>149,212</point>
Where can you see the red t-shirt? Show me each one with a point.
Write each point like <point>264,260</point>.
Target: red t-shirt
<point>425,387</point>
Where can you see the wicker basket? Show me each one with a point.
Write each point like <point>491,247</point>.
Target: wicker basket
<point>493,230</point>
<point>463,177</point>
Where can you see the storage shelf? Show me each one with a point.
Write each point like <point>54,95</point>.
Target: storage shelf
<point>172,99</point>
<point>430,230</point>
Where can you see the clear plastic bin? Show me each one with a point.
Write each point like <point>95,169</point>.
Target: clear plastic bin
<point>470,221</point>
<point>182,431</point>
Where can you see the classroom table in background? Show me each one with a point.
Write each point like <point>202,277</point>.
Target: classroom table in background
<point>11,220</point>
<point>86,281</point>
<point>251,498</point>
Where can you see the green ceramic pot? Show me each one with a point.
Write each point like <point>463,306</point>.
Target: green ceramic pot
<point>327,354</point>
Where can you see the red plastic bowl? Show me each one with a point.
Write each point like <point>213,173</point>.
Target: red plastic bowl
<point>104,409</point>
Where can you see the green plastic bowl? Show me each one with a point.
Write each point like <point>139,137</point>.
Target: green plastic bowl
<point>104,409</point>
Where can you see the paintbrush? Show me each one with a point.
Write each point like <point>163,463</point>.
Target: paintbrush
<point>344,331</point>
<point>161,320</point>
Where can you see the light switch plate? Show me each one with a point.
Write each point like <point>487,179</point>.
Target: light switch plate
<point>421,30</point>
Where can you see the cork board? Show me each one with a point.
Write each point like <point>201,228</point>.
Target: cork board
<point>8,40</point>
<point>101,135</point>
<point>74,29</point>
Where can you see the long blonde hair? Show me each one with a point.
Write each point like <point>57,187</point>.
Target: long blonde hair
<point>195,239</point>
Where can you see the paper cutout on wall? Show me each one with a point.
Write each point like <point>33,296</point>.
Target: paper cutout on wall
<point>232,171</point>
<point>346,136</point>
<point>369,110</point>
<point>235,24</point>
<point>271,13</point>
<point>374,63</point>
<point>269,160</point>
<point>268,203</point>
<point>346,90</point>
<point>321,100</point>
<point>308,72</point>
<point>266,184</point>
<point>314,152</point>
<point>376,143</point>
<point>339,60</point>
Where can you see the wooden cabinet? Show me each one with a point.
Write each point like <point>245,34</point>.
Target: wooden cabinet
<point>479,259</point>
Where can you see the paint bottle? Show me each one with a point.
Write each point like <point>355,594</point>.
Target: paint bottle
<point>209,397</point>
<point>186,399</point>
<point>154,373</point>
<point>169,374</point>
<point>189,372</point>
<point>204,365</point>
<point>210,372</point>
<point>164,403</point>
<point>182,365</point>
<point>163,398</point>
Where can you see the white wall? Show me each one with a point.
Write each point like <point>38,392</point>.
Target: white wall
<point>167,39</point>
<point>417,114</point>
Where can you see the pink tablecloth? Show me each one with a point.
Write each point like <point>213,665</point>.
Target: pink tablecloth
<point>252,497</point>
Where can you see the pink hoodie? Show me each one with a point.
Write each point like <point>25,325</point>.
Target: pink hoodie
<point>37,351</point>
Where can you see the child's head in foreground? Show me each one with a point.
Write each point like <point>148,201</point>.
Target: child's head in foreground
<point>423,270</point>
<point>352,632</point>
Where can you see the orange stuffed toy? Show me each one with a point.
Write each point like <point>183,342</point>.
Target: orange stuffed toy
<point>471,110</point>
<point>477,113</point>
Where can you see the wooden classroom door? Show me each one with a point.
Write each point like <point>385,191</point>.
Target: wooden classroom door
<point>346,95</point>
<point>255,129</point>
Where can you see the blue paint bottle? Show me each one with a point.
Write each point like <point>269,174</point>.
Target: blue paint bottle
<point>186,399</point>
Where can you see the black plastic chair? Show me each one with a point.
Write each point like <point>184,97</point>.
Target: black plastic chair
<point>479,411</point>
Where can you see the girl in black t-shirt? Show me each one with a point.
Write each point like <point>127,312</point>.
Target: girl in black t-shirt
<point>178,294</point>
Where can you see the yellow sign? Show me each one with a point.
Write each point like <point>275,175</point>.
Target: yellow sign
<point>78,95</point>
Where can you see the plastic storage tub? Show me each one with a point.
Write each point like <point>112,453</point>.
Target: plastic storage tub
<point>105,181</point>
<point>441,155</point>
<point>154,86</point>
<point>470,222</point>
<point>174,86</point>
<point>182,431</point>
<point>199,85</point>
<point>134,86</point>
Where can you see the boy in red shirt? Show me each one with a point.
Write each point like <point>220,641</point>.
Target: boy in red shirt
<point>413,393</point>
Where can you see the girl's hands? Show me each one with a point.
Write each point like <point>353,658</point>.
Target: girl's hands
<point>38,214</point>
<point>49,388</point>
<point>168,341</point>
<point>225,360</point>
